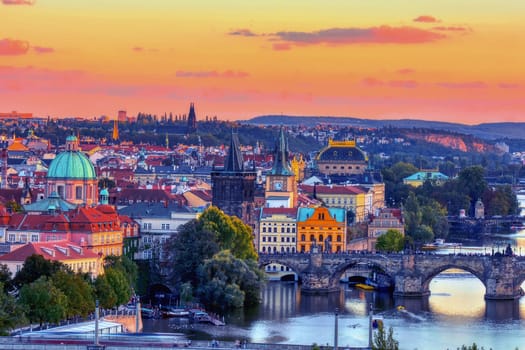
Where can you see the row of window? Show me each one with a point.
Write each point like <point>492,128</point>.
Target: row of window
<point>327,167</point>
<point>288,239</point>
<point>148,226</point>
<point>273,249</point>
<point>283,229</point>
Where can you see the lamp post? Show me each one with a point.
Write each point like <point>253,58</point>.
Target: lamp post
<point>96,322</point>
<point>335,328</point>
<point>137,314</point>
<point>370,325</point>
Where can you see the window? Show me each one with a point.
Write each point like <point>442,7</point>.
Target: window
<point>303,238</point>
<point>60,190</point>
<point>264,229</point>
<point>147,226</point>
<point>78,192</point>
<point>165,226</point>
<point>11,237</point>
<point>34,238</point>
<point>264,239</point>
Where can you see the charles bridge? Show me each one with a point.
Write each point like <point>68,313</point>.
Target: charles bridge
<point>410,274</point>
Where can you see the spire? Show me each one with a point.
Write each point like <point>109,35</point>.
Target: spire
<point>192,120</point>
<point>280,156</point>
<point>234,161</point>
<point>115,135</point>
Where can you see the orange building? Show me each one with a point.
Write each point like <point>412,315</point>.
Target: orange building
<point>321,228</point>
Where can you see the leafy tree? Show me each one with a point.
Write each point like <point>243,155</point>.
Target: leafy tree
<point>36,266</point>
<point>78,292</point>
<point>13,206</point>
<point>127,266</point>
<point>188,249</point>
<point>105,293</point>
<point>382,341</point>
<point>231,233</point>
<point>5,277</point>
<point>391,241</point>
<point>226,281</point>
<point>120,285</point>
<point>11,314</point>
<point>423,234</point>
<point>43,302</point>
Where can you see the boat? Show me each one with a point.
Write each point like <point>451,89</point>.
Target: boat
<point>364,286</point>
<point>439,244</point>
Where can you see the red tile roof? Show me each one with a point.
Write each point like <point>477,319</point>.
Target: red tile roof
<point>56,250</point>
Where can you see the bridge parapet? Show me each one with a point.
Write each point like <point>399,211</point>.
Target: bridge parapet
<point>411,273</point>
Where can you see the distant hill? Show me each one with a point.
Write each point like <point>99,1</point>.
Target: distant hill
<point>488,131</point>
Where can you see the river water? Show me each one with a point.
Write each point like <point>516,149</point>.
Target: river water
<point>454,314</point>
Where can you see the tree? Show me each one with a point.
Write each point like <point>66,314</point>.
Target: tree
<point>43,302</point>
<point>188,249</point>
<point>78,292</point>
<point>120,285</point>
<point>105,293</point>
<point>36,266</point>
<point>5,277</point>
<point>226,281</point>
<point>232,234</point>
<point>391,241</point>
<point>127,266</point>
<point>382,341</point>
<point>11,314</point>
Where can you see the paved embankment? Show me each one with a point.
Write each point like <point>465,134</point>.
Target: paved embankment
<point>31,343</point>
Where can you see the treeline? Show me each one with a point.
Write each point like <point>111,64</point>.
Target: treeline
<point>46,291</point>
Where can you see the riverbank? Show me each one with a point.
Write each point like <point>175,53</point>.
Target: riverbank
<point>139,342</point>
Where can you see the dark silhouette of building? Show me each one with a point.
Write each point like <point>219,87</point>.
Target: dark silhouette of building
<point>192,120</point>
<point>233,187</point>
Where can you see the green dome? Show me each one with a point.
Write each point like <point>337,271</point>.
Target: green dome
<point>71,165</point>
<point>104,192</point>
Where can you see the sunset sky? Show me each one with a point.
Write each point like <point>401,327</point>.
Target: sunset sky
<point>448,60</point>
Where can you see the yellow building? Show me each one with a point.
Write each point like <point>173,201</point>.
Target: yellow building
<point>277,230</point>
<point>322,228</point>
<point>353,198</point>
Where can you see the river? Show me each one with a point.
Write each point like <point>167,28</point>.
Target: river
<point>454,314</point>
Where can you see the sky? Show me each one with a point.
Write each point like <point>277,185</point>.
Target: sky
<point>447,60</point>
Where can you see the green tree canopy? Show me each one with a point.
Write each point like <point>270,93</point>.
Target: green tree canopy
<point>390,241</point>
<point>105,293</point>
<point>34,267</point>
<point>226,281</point>
<point>11,314</point>
<point>231,233</point>
<point>382,341</point>
<point>43,302</point>
<point>78,292</point>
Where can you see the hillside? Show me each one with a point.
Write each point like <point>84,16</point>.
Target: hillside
<point>489,131</point>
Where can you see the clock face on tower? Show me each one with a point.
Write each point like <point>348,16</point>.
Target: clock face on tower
<point>277,185</point>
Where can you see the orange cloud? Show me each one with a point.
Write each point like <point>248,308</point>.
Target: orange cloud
<point>242,32</point>
<point>10,47</point>
<point>371,82</point>
<point>407,84</point>
<point>372,35</point>
<point>508,86</point>
<point>425,19</point>
<point>41,49</point>
<point>281,46</point>
<point>463,85</point>
<point>211,74</point>
<point>405,71</point>
<point>18,2</point>
<point>451,29</point>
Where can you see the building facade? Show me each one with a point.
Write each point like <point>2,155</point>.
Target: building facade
<point>322,229</point>
<point>277,230</point>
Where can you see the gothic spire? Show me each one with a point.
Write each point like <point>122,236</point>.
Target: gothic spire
<point>280,156</point>
<point>234,161</point>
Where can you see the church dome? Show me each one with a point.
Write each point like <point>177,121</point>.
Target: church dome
<point>71,164</point>
<point>342,151</point>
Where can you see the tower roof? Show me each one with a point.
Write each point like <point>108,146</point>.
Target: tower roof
<point>72,163</point>
<point>234,161</point>
<point>280,156</point>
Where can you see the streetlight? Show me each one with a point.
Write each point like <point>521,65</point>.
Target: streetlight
<point>335,328</point>
<point>96,322</point>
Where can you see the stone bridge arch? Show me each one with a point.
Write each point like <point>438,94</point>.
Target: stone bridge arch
<point>381,265</point>
<point>430,275</point>
<point>295,265</point>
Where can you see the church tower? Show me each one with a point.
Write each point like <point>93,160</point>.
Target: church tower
<point>192,120</point>
<point>233,188</point>
<point>281,186</point>
<point>115,135</point>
